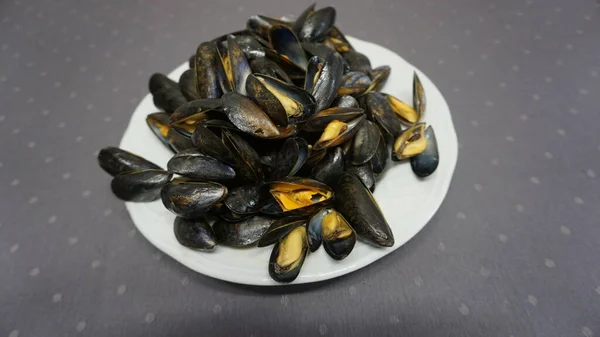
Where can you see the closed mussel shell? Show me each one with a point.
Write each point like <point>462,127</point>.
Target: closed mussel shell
<point>292,155</point>
<point>380,158</point>
<point>357,61</point>
<point>168,99</point>
<point>317,24</point>
<point>140,186</point>
<point>288,256</point>
<point>357,205</point>
<point>354,83</point>
<point>425,163</point>
<point>345,101</point>
<point>116,161</point>
<point>247,161</point>
<point>243,233</point>
<point>188,86</point>
<point>331,167</point>
<point>365,143</point>
<point>210,144</point>
<point>279,228</point>
<point>159,82</point>
<point>379,110</point>
<point>314,229</point>
<point>247,116</point>
<point>190,199</point>
<point>194,164</point>
<point>194,233</point>
<point>245,199</point>
<point>205,68</point>
<point>365,173</point>
<point>227,215</point>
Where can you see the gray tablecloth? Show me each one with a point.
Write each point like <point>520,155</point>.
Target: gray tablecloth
<point>513,251</point>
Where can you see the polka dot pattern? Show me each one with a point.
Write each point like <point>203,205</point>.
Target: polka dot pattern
<point>520,76</point>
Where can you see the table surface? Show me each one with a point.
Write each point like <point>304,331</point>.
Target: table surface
<point>513,251</point>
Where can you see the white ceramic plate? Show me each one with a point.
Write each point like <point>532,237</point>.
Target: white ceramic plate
<point>407,202</point>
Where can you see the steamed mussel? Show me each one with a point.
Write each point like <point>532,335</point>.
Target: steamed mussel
<point>280,132</point>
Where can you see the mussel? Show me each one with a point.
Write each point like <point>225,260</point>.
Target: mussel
<point>190,199</point>
<point>324,78</point>
<point>187,85</point>
<point>314,25</point>
<point>425,163</point>
<point>365,143</point>
<point>279,228</point>
<point>296,196</point>
<point>337,235</point>
<point>357,205</point>
<point>194,233</point>
<point>419,99</point>
<point>141,185</point>
<point>410,142</point>
<point>247,116</point>
<point>407,114</point>
<point>159,124</point>
<point>288,256</point>
<point>194,164</point>
<point>165,93</point>
<point>116,161</point>
<point>338,132</point>
<point>331,167</point>
<point>379,110</point>
<point>190,114</point>
<point>243,233</point>
<point>205,68</point>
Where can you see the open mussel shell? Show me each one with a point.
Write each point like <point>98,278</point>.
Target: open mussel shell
<point>210,144</point>
<point>357,61</point>
<point>324,78</point>
<point>247,161</point>
<point>288,256</point>
<point>338,41</point>
<point>238,65</point>
<point>338,132</point>
<point>365,143</point>
<point>188,115</point>
<point>365,173</point>
<point>317,24</point>
<point>410,142</point>
<point>296,196</point>
<point>245,199</point>
<point>247,116</point>
<point>319,122</point>
<point>159,124</point>
<point>243,233</point>
<point>345,101</point>
<point>380,158</point>
<point>419,99</point>
<point>425,163</point>
<point>116,161</point>
<point>193,164</point>
<point>292,155</point>
<point>278,229</point>
<point>188,86</point>
<point>140,186</point>
<point>252,49</point>
<point>190,199</point>
<point>329,168</point>
<point>280,100</point>
<point>205,68</point>
<point>260,26</point>
<point>338,236</point>
<point>194,233</point>
<point>354,83</point>
<point>288,47</point>
<point>407,114</point>
<point>269,68</point>
<point>357,205</point>
<point>378,109</point>
<point>379,77</point>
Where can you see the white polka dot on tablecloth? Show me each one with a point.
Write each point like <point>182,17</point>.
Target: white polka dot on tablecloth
<point>81,326</point>
<point>587,332</point>
<point>565,230</point>
<point>57,297</point>
<point>352,290</point>
<point>549,263</point>
<point>52,219</point>
<point>149,318</point>
<point>217,309</point>
<point>185,281</point>
<point>121,289</point>
<point>483,271</point>
<point>323,329</point>
<point>34,272</point>
<point>394,320</point>
<point>285,300</point>
<point>548,155</point>
<point>520,208</point>
<point>532,300</point>
<point>578,200</point>
<point>590,173</point>
<point>14,248</point>
<point>14,333</point>
<point>535,180</point>
<point>464,310</point>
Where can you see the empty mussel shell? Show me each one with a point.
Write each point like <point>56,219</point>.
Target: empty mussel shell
<point>425,163</point>
<point>159,124</point>
<point>357,205</point>
<point>419,99</point>
<point>288,256</point>
<point>116,161</point>
<point>287,47</point>
<point>140,186</point>
<point>192,163</point>
<point>190,199</point>
<point>260,26</point>
<point>188,115</point>
<point>194,233</point>
<point>410,142</point>
<point>243,233</point>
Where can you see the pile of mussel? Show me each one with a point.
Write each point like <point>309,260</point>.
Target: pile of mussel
<point>280,132</point>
